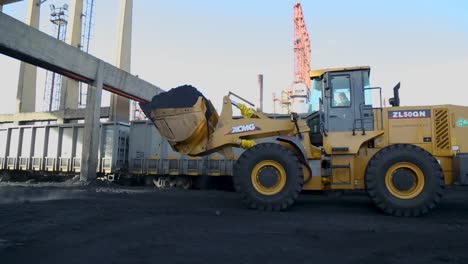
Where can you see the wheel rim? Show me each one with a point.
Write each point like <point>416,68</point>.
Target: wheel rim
<point>404,180</point>
<point>268,177</point>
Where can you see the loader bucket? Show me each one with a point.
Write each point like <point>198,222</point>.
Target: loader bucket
<point>184,117</point>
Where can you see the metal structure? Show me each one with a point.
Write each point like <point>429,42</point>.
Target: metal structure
<point>57,149</point>
<point>87,33</point>
<point>295,98</point>
<point>69,92</point>
<point>301,48</point>
<point>125,152</point>
<point>53,85</point>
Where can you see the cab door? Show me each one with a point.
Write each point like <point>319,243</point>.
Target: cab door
<point>344,97</point>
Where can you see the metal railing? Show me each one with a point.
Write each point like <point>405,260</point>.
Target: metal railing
<point>363,119</point>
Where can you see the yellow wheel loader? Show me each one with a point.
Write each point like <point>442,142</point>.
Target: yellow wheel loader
<point>402,156</point>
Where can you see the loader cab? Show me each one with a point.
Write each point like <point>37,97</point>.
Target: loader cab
<point>343,102</point>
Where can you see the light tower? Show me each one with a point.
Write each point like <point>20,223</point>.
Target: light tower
<point>70,88</point>
<point>58,17</point>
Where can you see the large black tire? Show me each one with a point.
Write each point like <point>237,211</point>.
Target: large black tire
<point>243,177</point>
<point>410,159</point>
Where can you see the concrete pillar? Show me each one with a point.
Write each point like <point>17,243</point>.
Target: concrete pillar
<point>70,89</point>
<point>1,8</point>
<point>26,94</point>
<point>89,156</point>
<point>120,106</point>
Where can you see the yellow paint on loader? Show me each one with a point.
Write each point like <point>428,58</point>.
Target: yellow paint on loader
<point>412,144</point>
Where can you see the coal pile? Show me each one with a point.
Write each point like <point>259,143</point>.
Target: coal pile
<point>142,225</point>
<point>180,97</point>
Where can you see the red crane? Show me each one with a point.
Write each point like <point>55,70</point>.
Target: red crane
<point>301,48</point>
<point>301,59</point>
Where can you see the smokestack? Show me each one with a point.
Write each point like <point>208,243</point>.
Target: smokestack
<point>260,85</point>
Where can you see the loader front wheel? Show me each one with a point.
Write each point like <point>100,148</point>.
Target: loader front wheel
<point>404,180</point>
<point>268,177</point>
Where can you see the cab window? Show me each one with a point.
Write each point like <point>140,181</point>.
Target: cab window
<point>341,91</point>
<point>315,95</point>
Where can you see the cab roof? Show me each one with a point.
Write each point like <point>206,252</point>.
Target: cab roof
<point>318,73</point>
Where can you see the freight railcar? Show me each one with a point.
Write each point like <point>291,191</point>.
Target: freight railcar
<point>127,152</point>
<point>151,157</point>
<point>133,152</point>
<point>56,149</point>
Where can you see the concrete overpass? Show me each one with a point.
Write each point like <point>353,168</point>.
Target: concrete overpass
<point>6,2</point>
<point>37,48</point>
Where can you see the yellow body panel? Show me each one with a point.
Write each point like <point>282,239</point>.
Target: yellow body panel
<point>342,178</point>
<point>441,130</point>
<point>314,184</point>
<point>348,140</point>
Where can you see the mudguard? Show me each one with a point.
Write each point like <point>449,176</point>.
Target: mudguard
<point>297,144</point>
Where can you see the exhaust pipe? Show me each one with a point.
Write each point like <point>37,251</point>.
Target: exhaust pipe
<point>260,85</point>
<point>395,101</point>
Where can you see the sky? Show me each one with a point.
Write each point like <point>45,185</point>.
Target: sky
<point>221,46</point>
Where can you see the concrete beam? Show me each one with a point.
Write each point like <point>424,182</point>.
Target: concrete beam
<point>89,156</point>
<point>68,114</point>
<point>6,2</point>
<point>26,93</point>
<point>70,88</point>
<point>28,44</point>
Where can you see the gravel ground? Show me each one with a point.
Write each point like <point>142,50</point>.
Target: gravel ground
<point>53,223</point>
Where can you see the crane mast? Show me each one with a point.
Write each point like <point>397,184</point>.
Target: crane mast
<point>301,48</point>
<point>296,97</point>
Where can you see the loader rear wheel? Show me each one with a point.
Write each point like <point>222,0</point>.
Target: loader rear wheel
<point>404,180</point>
<point>268,177</point>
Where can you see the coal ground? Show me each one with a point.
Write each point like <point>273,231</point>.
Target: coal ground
<point>55,223</point>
